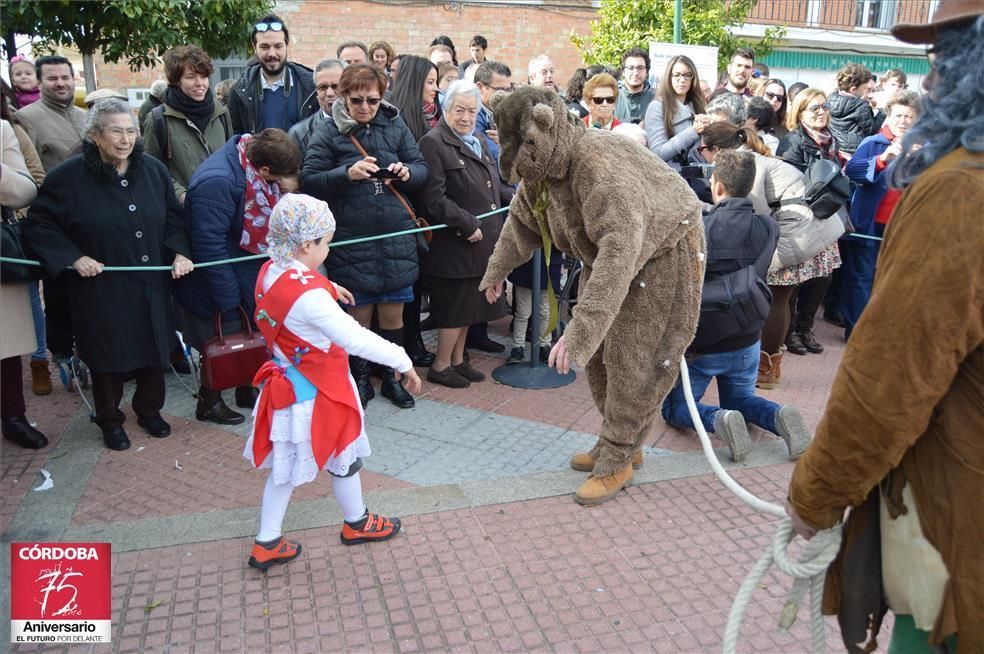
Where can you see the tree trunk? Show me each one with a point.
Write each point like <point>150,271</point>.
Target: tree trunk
<point>89,70</point>
<point>10,44</point>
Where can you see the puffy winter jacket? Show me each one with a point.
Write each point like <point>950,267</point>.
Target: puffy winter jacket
<point>366,208</point>
<point>851,121</point>
<point>214,214</point>
<point>798,149</point>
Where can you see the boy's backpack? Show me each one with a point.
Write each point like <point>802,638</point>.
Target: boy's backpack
<point>827,189</point>
<point>161,133</point>
<point>733,304</point>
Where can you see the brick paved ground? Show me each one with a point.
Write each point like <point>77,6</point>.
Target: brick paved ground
<point>494,556</point>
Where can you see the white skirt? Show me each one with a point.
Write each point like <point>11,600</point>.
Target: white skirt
<point>292,459</point>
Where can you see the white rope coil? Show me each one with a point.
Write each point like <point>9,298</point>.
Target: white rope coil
<point>808,572</point>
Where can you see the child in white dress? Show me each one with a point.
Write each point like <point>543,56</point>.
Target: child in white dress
<point>308,417</point>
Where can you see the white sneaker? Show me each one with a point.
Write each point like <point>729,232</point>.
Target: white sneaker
<point>792,429</point>
<point>730,427</point>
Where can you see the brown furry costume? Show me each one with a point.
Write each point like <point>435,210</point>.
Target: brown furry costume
<point>637,227</point>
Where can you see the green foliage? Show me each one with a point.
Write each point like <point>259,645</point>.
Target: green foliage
<point>625,24</point>
<point>136,30</point>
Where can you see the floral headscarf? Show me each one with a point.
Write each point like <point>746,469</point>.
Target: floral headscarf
<point>296,218</point>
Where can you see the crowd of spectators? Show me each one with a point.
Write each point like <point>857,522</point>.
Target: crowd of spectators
<point>381,136</point>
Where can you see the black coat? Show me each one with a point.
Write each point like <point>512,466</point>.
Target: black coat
<point>798,149</point>
<point>736,237</point>
<point>461,186</point>
<point>244,98</point>
<point>851,121</point>
<point>366,208</point>
<point>122,320</point>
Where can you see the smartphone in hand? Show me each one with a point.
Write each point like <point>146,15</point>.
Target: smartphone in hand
<point>384,173</point>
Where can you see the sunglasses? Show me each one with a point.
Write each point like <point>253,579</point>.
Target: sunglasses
<point>703,148</point>
<point>608,100</point>
<point>817,107</point>
<point>275,26</point>
<point>372,102</point>
<point>769,95</point>
<point>321,88</point>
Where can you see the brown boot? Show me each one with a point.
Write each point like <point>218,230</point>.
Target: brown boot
<point>584,462</point>
<point>767,372</point>
<point>596,490</point>
<point>777,365</point>
<point>40,377</point>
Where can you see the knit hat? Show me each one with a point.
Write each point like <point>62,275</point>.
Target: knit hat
<point>295,219</point>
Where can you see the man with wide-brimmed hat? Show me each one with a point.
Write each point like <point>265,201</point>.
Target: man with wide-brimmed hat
<point>901,438</point>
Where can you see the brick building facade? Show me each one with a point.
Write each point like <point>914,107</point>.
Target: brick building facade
<point>516,31</point>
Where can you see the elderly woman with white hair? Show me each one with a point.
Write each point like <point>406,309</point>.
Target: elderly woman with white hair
<point>464,183</point>
<point>113,205</point>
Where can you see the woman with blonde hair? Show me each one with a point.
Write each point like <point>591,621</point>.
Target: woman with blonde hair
<point>600,94</point>
<point>381,55</point>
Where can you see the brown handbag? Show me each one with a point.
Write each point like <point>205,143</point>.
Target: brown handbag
<point>233,360</point>
<point>419,221</point>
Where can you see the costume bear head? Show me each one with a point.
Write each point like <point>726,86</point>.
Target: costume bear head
<point>536,134</point>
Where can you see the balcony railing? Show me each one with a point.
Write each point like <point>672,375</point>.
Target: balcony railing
<point>842,14</point>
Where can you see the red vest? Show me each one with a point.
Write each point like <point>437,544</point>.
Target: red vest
<point>337,420</point>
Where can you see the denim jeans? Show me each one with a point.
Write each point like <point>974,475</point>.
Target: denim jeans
<point>736,373</point>
<point>41,354</point>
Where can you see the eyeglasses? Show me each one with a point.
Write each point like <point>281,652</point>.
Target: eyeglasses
<point>119,132</point>
<point>686,76</point>
<point>372,102</point>
<point>769,95</point>
<point>321,88</point>
<point>817,107</point>
<point>606,100</point>
<point>274,26</point>
<point>635,69</point>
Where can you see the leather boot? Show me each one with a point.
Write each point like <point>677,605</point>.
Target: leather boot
<point>391,388</point>
<point>40,377</point>
<point>360,372</point>
<point>20,431</point>
<point>601,489</point>
<point>212,408</point>
<point>416,350</point>
<point>766,373</point>
<point>246,396</point>
<point>584,462</point>
<point>777,365</point>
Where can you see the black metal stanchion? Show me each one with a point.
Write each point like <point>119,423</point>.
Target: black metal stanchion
<point>535,375</point>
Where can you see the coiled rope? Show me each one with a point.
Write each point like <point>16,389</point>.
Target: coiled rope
<point>254,257</point>
<point>808,572</point>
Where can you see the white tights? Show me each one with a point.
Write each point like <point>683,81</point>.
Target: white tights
<point>276,497</point>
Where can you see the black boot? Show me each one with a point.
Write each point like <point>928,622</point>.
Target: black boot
<point>212,408</point>
<point>417,351</point>
<point>20,431</point>
<point>360,372</point>
<point>246,396</point>
<point>392,389</point>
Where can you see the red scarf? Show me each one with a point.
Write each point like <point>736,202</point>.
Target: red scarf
<point>261,197</point>
<point>892,196</point>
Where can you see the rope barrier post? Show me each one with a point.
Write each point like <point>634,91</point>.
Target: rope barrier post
<point>533,376</point>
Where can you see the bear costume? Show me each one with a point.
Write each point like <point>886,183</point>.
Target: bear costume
<point>636,226</point>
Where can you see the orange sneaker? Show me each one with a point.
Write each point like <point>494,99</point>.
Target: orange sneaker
<point>282,551</point>
<point>373,528</point>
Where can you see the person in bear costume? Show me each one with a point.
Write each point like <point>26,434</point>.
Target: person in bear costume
<point>636,226</point>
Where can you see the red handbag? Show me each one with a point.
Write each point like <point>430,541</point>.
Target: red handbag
<point>230,361</point>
